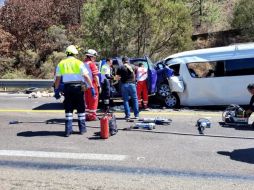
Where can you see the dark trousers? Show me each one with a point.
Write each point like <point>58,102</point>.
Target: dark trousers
<point>105,94</point>
<point>74,99</point>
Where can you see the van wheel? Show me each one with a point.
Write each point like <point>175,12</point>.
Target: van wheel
<point>172,101</point>
<point>164,90</point>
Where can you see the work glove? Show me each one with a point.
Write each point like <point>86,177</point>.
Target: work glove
<point>57,93</point>
<point>93,92</point>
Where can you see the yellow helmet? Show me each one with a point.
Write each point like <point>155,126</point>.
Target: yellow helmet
<point>72,50</point>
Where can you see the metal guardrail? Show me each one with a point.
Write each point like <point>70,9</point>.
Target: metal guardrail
<point>38,83</point>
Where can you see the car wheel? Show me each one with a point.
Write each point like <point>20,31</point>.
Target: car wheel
<point>172,101</point>
<point>164,90</point>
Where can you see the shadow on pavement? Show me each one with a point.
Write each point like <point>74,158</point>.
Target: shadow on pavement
<point>50,106</point>
<point>241,155</point>
<point>50,121</point>
<point>237,127</point>
<point>40,133</point>
<point>57,121</point>
<point>96,136</point>
<point>60,106</point>
<point>186,134</point>
<point>210,108</point>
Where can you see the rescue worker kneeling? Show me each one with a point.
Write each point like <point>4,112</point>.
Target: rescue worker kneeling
<point>73,74</point>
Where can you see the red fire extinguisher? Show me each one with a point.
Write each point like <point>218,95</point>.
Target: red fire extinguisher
<point>104,127</point>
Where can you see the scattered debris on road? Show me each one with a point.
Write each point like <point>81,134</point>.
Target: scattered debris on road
<point>203,123</point>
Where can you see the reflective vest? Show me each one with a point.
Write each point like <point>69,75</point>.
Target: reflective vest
<point>105,69</point>
<point>71,69</point>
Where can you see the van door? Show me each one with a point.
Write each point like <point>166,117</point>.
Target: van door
<point>152,77</point>
<point>218,82</point>
<point>175,82</point>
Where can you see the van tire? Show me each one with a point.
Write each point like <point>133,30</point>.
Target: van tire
<point>172,101</point>
<point>164,90</point>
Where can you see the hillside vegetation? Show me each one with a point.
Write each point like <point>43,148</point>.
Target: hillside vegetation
<point>34,34</point>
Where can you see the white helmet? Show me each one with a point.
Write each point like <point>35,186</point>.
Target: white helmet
<point>72,50</point>
<point>91,52</point>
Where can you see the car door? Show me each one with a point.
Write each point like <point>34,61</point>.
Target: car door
<point>116,85</point>
<point>152,76</point>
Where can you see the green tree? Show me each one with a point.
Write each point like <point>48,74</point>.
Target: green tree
<point>57,38</point>
<point>136,27</point>
<point>244,17</point>
<point>169,28</point>
<point>208,15</point>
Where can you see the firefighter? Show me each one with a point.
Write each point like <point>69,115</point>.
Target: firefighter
<point>92,101</point>
<point>73,74</point>
<point>106,74</point>
<point>142,90</point>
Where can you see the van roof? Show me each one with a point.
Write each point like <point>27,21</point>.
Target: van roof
<point>218,53</point>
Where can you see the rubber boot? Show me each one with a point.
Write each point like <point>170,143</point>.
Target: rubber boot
<point>68,124</point>
<point>81,123</point>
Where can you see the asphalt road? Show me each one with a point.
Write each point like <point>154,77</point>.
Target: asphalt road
<point>35,155</point>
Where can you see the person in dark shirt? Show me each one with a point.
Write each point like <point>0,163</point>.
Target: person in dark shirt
<point>249,111</point>
<point>126,74</point>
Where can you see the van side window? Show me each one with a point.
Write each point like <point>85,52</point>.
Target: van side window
<point>238,67</point>
<point>206,69</point>
<point>176,69</point>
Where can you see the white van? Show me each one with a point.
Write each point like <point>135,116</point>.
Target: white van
<point>214,76</point>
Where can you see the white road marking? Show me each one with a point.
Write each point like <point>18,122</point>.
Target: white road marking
<point>75,156</point>
<point>141,158</point>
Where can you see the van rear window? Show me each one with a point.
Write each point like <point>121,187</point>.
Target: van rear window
<point>238,67</point>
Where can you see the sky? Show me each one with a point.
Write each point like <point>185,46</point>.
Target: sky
<point>1,2</point>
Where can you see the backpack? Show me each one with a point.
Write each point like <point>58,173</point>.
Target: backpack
<point>112,125</point>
